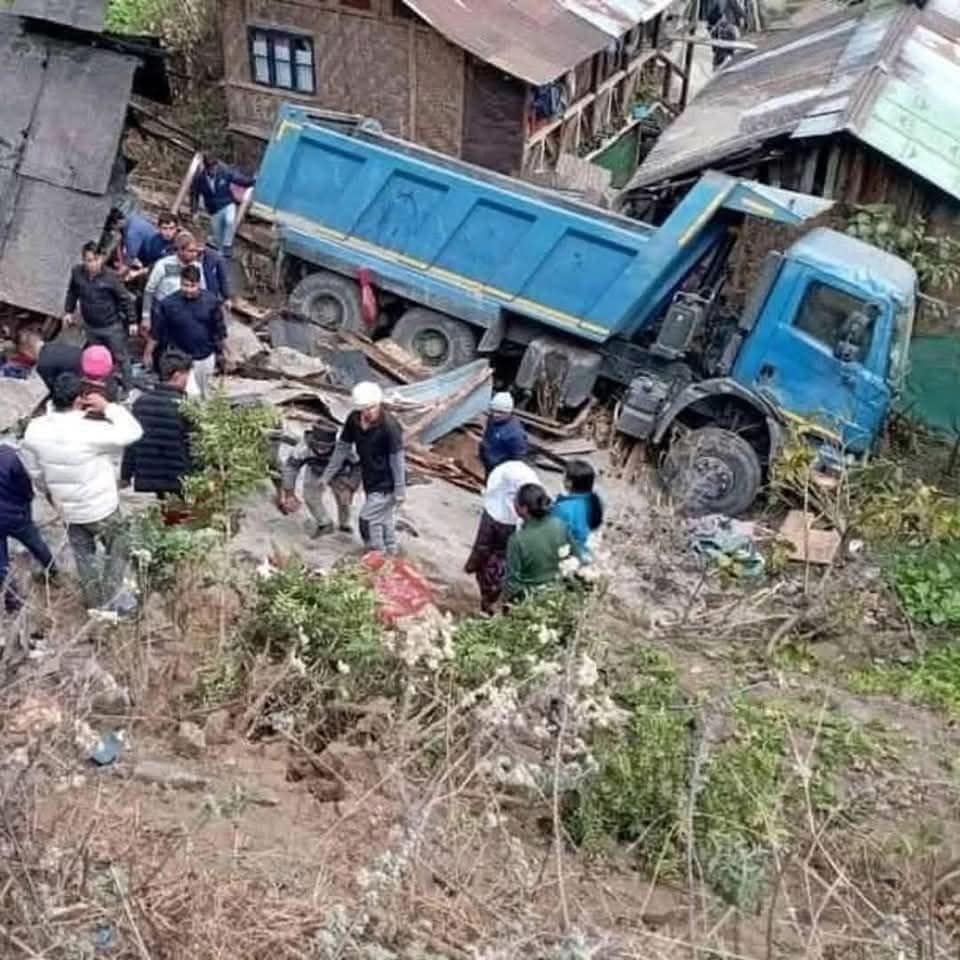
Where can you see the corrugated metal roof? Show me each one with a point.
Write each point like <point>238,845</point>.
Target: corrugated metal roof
<point>538,40</point>
<point>913,115</point>
<point>54,168</point>
<point>888,76</point>
<point>78,118</point>
<point>43,242</point>
<point>82,14</point>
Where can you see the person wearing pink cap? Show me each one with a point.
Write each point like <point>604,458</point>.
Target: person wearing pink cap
<point>96,369</point>
<point>96,363</point>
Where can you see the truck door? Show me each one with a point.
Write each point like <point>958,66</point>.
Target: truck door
<point>819,352</point>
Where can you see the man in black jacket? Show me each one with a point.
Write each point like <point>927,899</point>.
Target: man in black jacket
<point>105,305</point>
<point>160,459</point>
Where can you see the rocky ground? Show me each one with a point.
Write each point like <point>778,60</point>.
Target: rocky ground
<point>202,836</point>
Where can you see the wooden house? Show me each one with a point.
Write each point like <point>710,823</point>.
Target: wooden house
<point>510,90</point>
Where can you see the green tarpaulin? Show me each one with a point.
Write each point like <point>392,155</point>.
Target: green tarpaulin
<point>932,392</point>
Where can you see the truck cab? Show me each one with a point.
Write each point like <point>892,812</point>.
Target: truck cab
<point>821,346</point>
<point>830,343</point>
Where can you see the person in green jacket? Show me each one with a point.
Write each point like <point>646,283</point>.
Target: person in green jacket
<point>535,550</point>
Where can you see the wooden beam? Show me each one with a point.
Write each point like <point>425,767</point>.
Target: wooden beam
<point>830,177</point>
<point>412,81</point>
<point>809,170</point>
<point>578,106</point>
<point>613,138</point>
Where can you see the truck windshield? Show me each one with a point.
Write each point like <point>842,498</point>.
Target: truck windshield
<point>900,345</point>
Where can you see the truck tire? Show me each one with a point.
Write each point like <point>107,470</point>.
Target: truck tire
<point>712,470</point>
<point>330,301</point>
<point>439,342</point>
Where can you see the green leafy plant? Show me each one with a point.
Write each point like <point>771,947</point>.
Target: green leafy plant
<point>643,771</point>
<point>530,631</point>
<point>933,678</point>
<point>329,621</point>
<point>746,798</point>
<point>927,581</point>
<point>161,551</point>
<point>230,443</point>
<point>182,25</point>
<point>935,257</point>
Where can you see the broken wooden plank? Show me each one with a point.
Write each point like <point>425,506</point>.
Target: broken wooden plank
<point>247,309</point>
<point>379,358</point>
<point>572,447</point>
<point>158,115</point>
<point>160,132</point>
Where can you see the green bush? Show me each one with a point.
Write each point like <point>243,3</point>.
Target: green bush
<point>160,551</point>
<point>643,771</point>
<point>329,621</point>
<point>530,631</point>
<point>927,581</point>
<point>230,444</point>
<point>135,16</point>
<point>745,800</point>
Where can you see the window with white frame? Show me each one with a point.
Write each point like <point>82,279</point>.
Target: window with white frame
<point>282,60</point>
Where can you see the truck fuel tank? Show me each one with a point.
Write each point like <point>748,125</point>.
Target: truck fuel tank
<point>645,399</point>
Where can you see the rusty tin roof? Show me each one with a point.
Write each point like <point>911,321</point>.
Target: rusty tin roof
<point>535,40</point>
<point>887,76</point>
<point>82,14</point>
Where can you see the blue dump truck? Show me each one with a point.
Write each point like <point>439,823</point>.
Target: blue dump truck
<point>468,262</point>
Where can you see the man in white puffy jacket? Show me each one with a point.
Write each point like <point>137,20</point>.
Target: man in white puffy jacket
<point>72,451</point>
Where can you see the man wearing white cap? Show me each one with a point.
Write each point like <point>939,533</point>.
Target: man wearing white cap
<point>378,439</point>
<point>504,437</point>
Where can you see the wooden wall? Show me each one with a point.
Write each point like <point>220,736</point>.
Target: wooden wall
<point>394,69</point>
<point>493,118</point>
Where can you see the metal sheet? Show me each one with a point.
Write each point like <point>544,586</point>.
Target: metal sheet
<point>538,40</point>
<point>21,79</point>
<point>614,17</point>
<point>82,14</point>
<point>49,226</point>
<point>892,84</point>
<point>85,85</point>
<point>537,43</point>
<point>450,399</point>
<point>756,98</point>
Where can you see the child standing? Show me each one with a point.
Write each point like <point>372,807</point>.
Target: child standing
<point>579,508</point>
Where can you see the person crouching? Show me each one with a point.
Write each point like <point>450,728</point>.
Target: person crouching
<point>313,454</point>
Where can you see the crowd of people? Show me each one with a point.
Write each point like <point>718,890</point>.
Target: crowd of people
<point>523,536</point>
<point>159,281</point>
<point>150,280</point>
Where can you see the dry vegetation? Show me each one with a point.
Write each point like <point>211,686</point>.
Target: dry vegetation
<point>678,761</point>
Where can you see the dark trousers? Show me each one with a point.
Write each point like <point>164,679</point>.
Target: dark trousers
<point>101,581</point>
<point>114,338</point>
<point>29,535</point>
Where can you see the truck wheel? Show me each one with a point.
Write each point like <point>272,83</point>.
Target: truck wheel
<point>438,342</point>
<point>712,470</point>
<point>330,301</point>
